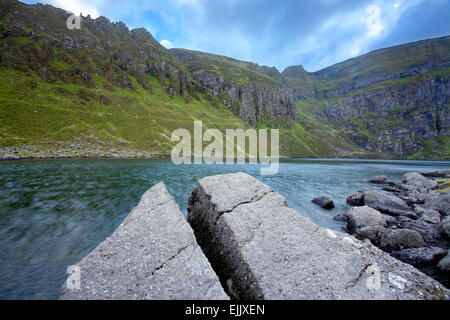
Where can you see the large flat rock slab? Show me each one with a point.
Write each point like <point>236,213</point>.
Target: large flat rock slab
<point>261,249</point>
<point>153,254</point>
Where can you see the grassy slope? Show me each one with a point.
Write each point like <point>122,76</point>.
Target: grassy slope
<point>37,113</point>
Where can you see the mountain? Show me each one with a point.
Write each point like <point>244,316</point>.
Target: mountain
<point>107,90</point>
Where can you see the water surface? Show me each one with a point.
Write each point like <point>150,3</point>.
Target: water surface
<point>52,213</point>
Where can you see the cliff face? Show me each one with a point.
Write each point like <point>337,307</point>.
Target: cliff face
<point>390,102</point>
<point>251,91</point>
<point>393,100</point>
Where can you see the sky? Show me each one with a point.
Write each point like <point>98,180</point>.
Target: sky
<point>280,33</point>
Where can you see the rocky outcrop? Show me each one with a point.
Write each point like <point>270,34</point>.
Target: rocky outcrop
<point>251,95</point>
<point>261,249</point>
<point>151,255</point>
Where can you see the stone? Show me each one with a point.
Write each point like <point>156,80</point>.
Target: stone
<point>324,201</point>
<point>444,264</point>
<point>437,174</point>
<point>378,180</point>
<point>420,257</point>
<point>390,220</point>
<point>355,198</point>
<point>417,180</point>
<point>430,216</point>
<point>341,217</point>
<point>439,202</point>
<point>264,250</point>
<point>387,203</point>
<point>445,226</point>
<point>399,239</point>
<point>359,217</point>
<point>429,232</point>
<point>153,254</point>
<point>373,233</point>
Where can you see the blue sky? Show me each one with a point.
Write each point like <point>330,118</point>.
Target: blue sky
<point>314,33</point>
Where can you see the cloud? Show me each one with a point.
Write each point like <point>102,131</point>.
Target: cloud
<point>314,33</point>
<point>78,7</point>
<point>167,44</point>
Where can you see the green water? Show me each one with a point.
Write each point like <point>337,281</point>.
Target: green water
<point>52,213</point>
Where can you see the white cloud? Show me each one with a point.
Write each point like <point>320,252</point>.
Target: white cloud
<point>167,44</point>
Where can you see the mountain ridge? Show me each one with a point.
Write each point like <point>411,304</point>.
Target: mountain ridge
<point>105,66</point>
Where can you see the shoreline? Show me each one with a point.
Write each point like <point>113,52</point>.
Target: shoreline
<point>6,158</point>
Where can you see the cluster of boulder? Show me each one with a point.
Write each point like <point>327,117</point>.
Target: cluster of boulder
<point>408,219</point>
<point>240,241</point>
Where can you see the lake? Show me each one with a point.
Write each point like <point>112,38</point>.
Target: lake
<point>54,212</point>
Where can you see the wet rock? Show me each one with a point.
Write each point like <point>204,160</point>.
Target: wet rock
<point>341,217</point>
<point>262,249</point>
<point>419,181</point>
<point>151,255</point>
<point>355,198</point>
<point>420,257</point>
<point>359,217</point>
<point>324,201</point>
<point>399,239</point>
<point>378,180</point>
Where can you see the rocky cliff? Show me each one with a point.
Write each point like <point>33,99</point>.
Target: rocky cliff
<point>105,89</point>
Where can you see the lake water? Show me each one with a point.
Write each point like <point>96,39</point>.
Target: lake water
<point>53,213</point>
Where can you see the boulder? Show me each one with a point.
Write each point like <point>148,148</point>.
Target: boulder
<point>430,216</point>
<point>399,239</point>
<point>341,217</point>
<point>153,254</point>
<point>264,250</point>
<point>443,173</point>
<point>420,257</point>
<point>439,202</point>
<point>359,217</point>
<point>378,180</point>
<point>387,203</point>
<point>390,220</point>
<point>324,201</point>
<point>355,198</point>
<point>373,233</point>
<point>445,226</point>
<point>430,232</point>
<point>444,264</point>
<point>417,180</point>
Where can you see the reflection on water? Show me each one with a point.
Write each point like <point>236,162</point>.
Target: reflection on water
<point>52,213</point>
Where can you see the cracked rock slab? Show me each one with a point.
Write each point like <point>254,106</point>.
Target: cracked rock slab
<point>151,255</point>
<point>261,249</point>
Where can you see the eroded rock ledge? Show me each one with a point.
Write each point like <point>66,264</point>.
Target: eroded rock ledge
<point>261,249</point>
<point>152,255</point>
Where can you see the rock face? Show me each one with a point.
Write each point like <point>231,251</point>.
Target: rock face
<point>324,201</point>
<point>152,255</point>
<point>261,249</point>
